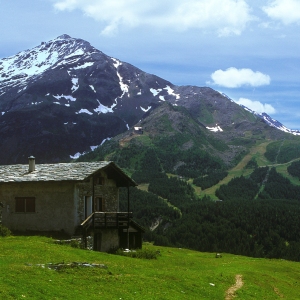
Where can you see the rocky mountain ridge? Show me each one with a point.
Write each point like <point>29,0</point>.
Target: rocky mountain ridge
<point>65,97</point>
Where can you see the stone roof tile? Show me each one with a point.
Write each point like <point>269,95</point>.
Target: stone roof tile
<point>51,172</point>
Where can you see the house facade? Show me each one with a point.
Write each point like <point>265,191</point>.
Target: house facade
<point>69,197</point>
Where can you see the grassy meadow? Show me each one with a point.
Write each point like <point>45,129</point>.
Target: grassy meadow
<point>175,274</point>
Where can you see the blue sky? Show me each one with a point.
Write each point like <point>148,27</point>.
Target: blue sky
<point>249,50</point>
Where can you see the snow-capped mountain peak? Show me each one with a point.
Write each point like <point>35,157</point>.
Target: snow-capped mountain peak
<point>17,69</point>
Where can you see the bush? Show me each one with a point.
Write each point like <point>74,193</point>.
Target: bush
<point>4,231</point>
<point>75,244</point>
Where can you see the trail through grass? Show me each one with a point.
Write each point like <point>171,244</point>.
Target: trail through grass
<point>230,293</point>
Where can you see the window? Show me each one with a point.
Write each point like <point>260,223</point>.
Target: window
<point>25,204</point>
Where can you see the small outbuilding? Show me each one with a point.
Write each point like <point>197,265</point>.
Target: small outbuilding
<point>73,198</point>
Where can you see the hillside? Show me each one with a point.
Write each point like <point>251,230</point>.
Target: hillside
<point>175,274</point>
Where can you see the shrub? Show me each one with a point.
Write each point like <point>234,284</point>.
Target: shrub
<point>4,231</point>
<point>75,244</point>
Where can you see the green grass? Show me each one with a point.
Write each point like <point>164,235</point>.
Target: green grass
<point>282,169</point>
<point>145,140</point>
<point>257,152</point>
<point>176,274</point>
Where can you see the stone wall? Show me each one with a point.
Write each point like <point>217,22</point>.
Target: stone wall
<point>106,240</point>
<point>54,206</point>
<point>109,192</point>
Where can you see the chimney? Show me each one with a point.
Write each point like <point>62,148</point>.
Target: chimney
<point>31,163</point>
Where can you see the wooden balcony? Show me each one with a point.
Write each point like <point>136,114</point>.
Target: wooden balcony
<point>112,220</point>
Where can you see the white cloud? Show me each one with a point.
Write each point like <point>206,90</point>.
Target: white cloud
<point>286,11</point>
<point>233,78</point>
<point>224,16</point>
<point>257,106</point>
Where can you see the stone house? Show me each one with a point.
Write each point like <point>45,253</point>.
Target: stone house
<point>69,197</point>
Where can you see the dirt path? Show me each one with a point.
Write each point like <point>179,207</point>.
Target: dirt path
<point>238,284</point>
<point>276,290</point>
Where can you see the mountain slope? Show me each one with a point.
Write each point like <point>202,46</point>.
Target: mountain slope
<point>66,93</point>
<point>64,97</point>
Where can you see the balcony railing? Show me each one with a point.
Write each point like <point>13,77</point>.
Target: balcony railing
<point>113,220</point>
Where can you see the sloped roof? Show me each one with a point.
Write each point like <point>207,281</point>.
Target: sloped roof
<point>63,172</point>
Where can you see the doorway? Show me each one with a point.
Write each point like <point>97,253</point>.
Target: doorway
<point>88,206</point>
<point>99,204</point>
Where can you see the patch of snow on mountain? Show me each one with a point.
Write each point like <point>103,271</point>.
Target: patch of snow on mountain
<point>84,111</point>
<point>103,109</point>
<point>18,69</point>
<point>248,109</point>
<point>65,96</point>
<point>27,63</point>
<point>107,139</point>
<point>295,132</point>
<point>171,92</point>
<point>76,155</point>
<point>272,122</point>
<point>127,126</point>
<point>145,109</point>
<point>76,53</point>
<point>75,85</point>
<point>22,89</point>
<point>155,92</point>
<point>115,104</point>
<point>3,113</point>
<point>139,93</point>
<point>162,98</point>
<point>124,87</point>
<point>92,87</point>
<point>94,147</point>
<point>116,63</point>
<point>215,129</point>
<point>85,65</point>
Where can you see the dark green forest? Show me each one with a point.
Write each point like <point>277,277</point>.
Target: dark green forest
<point>282,151</point>
<point>163,155</point>
<point>294,169</point>
<point>257,216</point>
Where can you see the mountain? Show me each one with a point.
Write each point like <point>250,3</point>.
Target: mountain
<point>64,98</point>
<point>272,122</point>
